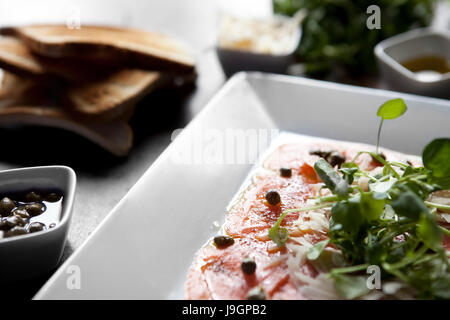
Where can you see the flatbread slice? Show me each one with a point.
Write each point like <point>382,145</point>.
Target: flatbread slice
<point>21,103</point>
<point>17,58</point>
<point>106,95</point>
<point>114,94</point>
<point>131,47</point>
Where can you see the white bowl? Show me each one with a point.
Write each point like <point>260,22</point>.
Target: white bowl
<point>33,254</point>
<point>413,44</point>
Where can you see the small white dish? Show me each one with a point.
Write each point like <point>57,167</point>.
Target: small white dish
<point>417,43</point>
<point>144,247</point>
<point>235,60</point>
<point>33,254</point>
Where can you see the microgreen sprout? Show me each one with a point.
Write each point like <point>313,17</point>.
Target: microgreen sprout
<point>278,234</point>
<point>389,110</point>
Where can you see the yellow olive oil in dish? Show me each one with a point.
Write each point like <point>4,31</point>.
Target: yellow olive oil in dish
<point>28,212</point>
<point>428,68</point>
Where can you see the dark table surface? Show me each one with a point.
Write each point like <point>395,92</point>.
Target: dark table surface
<point>102,178</point>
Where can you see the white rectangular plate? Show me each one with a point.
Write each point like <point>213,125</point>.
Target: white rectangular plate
<point>144,247</point>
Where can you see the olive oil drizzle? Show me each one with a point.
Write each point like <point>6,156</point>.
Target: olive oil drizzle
<point>428,63</point>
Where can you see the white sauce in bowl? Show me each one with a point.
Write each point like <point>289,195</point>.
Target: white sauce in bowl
<point>277,36</point>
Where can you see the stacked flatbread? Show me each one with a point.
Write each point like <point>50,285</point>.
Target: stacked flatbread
<point>85,80</point>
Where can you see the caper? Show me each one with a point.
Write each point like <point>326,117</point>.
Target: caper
<point>256,293</point>
<point>273,198</point>
<point>13,221</point>
<point>16,231</point>
<point>333,157</point>
<point>320,153</point>
<point>6,206</point>
<point>336,159</point>
<point>248,266</point>
<point>285,172</point>
<point>35,209</point>
<point>33,197</point>
<point>53,197</point>
<point>223,241</point>
<point>36,227</point>
<point>21,213</point>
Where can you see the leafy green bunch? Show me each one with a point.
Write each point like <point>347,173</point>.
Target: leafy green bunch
<point>336,31</point>
<point>392,224</point>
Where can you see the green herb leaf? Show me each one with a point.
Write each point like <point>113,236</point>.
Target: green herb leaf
<point>436,157</point>
<point>277,234</point>
<point>375,253</point>
<point>382,186</point>
<point>371,208</point>
<point>392,109</point>
<point>315,250</point>
<point>350,287</point>
<point>348,170</point>
<point>347,214</point>
<point>408,204</point>
<point>442,183</point>
<point>441,287</point>
<point>331,178</point>
<point>429,231</point>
